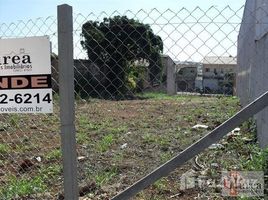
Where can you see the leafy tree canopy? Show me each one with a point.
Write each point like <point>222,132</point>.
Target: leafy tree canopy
<point>116,42</point>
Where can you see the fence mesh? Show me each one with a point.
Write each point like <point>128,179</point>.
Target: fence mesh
<point>124,56</point>
<point>125,53</point>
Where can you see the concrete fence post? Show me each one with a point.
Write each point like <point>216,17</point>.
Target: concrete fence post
<point>67,111</point>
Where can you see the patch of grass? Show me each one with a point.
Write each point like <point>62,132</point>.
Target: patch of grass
<point>240,153</point>
<point>4,149</point>
<point>56,97</point>
<point>14,120</point>
<point>82,137</point>
<point>149,138</point>
<point>105,143</point>
<point>53,121</point>
<point>117,130</point>
<point>163,142</point>
<point>49,173</point>
<point>161,184</point>
<point>161,95</point>
<point>258,161</point>
<point>55,154</point>
<point>189,118</point>
<point>22,187</point>
<point>154,130</point>
<point>165,156</point>
<point>86,127</point>
<point>118,157</point>
<point>104,177</point>
<point>85,124</point>
<point>23,147</point>
<point>26,186</point>
<point>3,126</point>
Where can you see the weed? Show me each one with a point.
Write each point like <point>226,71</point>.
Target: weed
<point>51,172</point>
<point>56,97</point>
<point>14,120</point>
<point>118,157</point>
<point>3,126</point>
<point>155,126</point>
<point>104,177</point>
<point>105,143</point>
<point>55,154</point>
<point>4,149</point>
<point>163,141</point>
<point>259,159</point>
<point>23,147</point>
<point>82,137</point>
<point>161,184</point>
<point>258,162</point>
<point>22,187</point>
<point>86,124</point>
<point>27,186</point>
<point>238,154</point>
<point>165,156</point>
<point>117,130</point>
<point>162,96</point>
<point>149,138</point>
<point>189,118</point>
<point>145,125</point>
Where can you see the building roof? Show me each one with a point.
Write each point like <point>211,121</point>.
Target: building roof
<point>220,60</point>
<point>187,64</point>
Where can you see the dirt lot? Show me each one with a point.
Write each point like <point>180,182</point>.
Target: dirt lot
<point>118,142</point>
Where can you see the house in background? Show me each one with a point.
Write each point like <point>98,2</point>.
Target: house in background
<point>219,74</point>
<point>186,73</point>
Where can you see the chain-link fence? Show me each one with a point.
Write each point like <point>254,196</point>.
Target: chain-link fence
<point>124,56</point>
<point>30,153</point>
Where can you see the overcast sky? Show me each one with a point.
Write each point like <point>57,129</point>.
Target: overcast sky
<point>12,10</point>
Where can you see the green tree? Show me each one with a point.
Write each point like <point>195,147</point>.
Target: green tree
<point>115,44</point>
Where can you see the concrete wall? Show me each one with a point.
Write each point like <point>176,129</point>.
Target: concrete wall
<point>252,72</point>
<point>170,71</point>
<point>85,70</point>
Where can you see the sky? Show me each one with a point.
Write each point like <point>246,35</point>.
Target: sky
<point>184,38</point>
<point>12,10</point>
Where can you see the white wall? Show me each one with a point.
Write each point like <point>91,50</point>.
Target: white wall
<point>252,71</point>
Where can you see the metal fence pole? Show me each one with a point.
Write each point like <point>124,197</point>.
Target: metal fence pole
<point>67,116</point>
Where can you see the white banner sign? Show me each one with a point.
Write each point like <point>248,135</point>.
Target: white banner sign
<point>25,75</point>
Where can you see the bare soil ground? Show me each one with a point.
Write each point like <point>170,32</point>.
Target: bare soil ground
<point>118,142</point>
